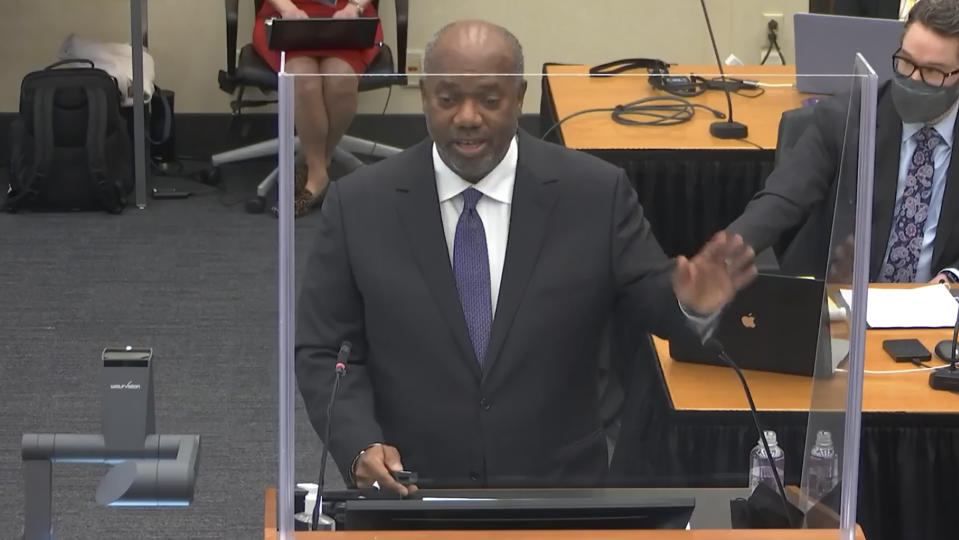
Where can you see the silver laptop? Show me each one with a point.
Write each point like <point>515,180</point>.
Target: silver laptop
<point>827,44</point>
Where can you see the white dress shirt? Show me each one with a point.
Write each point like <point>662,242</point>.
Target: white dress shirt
<point>940,157</point>
<point>494,208</point>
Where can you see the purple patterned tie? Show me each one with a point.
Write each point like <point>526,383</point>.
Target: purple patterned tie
<point>471,268</point>
<point>912,208</point>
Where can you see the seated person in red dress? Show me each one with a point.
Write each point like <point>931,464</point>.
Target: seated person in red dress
<point>324,106</point>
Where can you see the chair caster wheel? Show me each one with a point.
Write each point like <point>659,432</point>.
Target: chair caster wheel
<point>256,205</point>
<point>210,176</point>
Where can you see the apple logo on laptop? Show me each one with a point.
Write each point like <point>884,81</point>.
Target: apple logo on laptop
<point>749,321</point>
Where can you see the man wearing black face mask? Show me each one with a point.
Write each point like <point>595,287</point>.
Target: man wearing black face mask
<point>915,235</point>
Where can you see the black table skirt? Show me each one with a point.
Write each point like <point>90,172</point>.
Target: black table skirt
<point>687,195</point>
<point>909,464</point>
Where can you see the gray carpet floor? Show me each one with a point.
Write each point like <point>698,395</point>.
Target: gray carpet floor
<point>195,280</point>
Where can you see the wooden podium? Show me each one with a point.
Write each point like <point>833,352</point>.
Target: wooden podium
<point>270,533</point>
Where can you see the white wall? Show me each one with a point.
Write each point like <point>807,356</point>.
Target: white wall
<point>187,37</point>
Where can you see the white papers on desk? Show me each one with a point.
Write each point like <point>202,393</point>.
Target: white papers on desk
<point>932,306</point>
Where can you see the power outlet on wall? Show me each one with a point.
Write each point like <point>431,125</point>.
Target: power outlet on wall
<point>777,20</point>
<point>414,67</point>
<point>773,16</point>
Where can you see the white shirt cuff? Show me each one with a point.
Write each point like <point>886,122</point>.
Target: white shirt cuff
<point>704,325</point>
<point>953,273</point>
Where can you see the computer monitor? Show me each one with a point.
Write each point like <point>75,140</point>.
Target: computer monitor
<point>827,45</point>
<point>519,509</point>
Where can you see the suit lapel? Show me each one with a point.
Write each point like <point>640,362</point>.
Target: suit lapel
<point>946,239</point>
<point>419,211</point>
<point>888,149</point>
<point>534,196</point>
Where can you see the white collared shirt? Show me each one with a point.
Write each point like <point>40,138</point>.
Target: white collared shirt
<point>494,208</point>
<point>940,157</point>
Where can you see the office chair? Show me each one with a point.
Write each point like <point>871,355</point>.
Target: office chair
<point>249,70</point>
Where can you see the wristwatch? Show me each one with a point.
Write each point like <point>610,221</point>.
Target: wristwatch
<point>357,460</point>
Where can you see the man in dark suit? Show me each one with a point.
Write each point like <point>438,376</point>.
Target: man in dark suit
<point>915,233</point>
<point>473,274</point>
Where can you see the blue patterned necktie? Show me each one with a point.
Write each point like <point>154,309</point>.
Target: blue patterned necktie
<point>471,268</point>
<point>912,209</point>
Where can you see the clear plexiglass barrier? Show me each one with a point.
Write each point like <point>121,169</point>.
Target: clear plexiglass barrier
<point>526,329</point>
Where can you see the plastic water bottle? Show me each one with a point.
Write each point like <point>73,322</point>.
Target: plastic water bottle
<point>760,469</point>
<point>823,466</point>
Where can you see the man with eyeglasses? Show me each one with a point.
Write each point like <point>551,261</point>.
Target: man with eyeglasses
<point>915,234</point>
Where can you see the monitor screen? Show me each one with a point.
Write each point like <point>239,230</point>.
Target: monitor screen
<point>519,509</point>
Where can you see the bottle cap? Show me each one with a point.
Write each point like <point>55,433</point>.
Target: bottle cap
<point>770,438</point>
<point>823,438</point>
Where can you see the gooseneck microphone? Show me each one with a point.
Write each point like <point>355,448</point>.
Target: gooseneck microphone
<point>713,345</point>
<point>947,378</point>
<point>341,358</point>
<point>727,129</point>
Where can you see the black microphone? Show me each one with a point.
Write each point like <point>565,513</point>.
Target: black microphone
<point>727,129</point>
<point>341,358</point>
<point>947,378</point>
<point>714,346</point>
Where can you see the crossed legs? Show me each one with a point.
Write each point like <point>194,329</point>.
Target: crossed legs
<point>324,107</point>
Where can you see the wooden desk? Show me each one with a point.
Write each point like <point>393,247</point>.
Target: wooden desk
<point>572,90</point>
<point>270,533</point>
<point>702,387</point>
<point>689,183</point>
<point>694,429</point>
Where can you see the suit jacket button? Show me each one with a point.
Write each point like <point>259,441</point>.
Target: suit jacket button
<point>485,404</point>
<point>474,476</point>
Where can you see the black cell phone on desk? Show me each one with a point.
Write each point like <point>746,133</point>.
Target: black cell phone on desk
<point>906,350</point>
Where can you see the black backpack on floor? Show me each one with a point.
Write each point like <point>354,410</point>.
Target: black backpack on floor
<point>69,147</point>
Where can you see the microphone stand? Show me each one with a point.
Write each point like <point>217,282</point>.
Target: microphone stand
<point>320,520</point>
<point>947,378</point>
<point>723,129</point>
<point>714,345</point>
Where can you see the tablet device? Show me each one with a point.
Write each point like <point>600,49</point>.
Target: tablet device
<point>321,33</point>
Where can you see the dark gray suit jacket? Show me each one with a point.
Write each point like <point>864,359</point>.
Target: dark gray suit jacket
<point>802,193</point>
<point>380,276</point>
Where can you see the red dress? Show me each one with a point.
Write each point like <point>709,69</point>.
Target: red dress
<point>359,60</point>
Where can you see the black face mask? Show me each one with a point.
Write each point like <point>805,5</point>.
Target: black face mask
<point>917,102</point>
